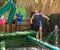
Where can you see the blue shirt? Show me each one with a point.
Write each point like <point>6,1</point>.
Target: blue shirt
<point>37,21</point>
<point>19,19</point>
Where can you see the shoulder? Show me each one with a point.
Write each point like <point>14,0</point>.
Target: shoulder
<point>40,13</point>
<point>34,14</point>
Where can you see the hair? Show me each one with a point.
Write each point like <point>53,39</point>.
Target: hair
<point>38,10</point>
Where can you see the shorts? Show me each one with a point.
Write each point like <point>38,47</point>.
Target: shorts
<point>36,28</point>
<point>19,22</point>
<point>2,21</point>
<point>14,21</point>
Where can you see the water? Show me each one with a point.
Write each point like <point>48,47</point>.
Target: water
<point>26,48</point>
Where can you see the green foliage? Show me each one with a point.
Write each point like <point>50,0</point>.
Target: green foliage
<point>51,38</point>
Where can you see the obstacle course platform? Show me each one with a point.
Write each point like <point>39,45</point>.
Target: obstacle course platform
<point>18,39</point>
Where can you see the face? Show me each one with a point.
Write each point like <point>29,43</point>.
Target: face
<point>36,11</point>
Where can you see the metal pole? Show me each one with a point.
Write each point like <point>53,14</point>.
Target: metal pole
<point>56,35</point>
<point>43,43</point>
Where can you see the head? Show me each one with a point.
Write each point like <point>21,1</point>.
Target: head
<point>18,12</point>
<point>36,10</point>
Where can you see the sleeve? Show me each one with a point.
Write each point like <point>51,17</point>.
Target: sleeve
<point>33,14</point>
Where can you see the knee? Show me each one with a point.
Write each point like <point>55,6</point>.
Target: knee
<point>40,29</point>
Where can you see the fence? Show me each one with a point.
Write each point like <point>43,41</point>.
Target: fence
<point>15,27</point>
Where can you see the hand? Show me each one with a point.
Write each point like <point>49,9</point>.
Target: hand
<point>48,18</point>
<point>31,22</point>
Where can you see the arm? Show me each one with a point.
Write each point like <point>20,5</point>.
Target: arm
<point>31,19</point>
<point>15,17</point>
<point>45,17</point>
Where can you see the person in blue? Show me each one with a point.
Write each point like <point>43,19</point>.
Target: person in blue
<point>36,20</point>
<point>19,17</point>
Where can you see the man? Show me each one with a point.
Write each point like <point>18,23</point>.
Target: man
<point>19,17</point>
<point>36,20</point>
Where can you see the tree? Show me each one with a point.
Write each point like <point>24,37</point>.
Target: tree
<point>2,2</point>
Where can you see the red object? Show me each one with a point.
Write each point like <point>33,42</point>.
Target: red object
<point>2,21</point>
<point>14,21</point>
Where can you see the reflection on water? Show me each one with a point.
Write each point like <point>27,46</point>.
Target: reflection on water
<point>26,48</point>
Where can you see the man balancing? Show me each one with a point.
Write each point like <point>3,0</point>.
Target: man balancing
<point>36,20</point>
